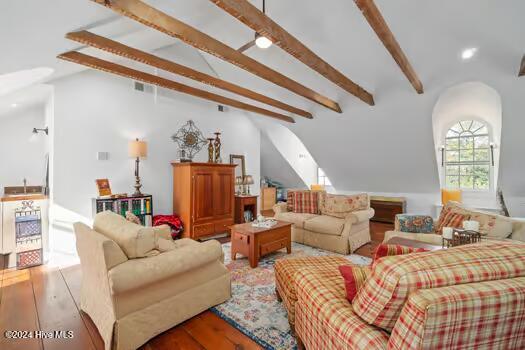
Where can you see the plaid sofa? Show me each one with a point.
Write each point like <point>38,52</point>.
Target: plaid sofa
<point>469,297</point>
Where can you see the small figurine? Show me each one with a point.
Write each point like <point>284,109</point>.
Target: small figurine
<point>211,159</point>
<point>217,145</point>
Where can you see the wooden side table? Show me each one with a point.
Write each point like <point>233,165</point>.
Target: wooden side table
<point>243,203</point>
<point>255,242</point>
<point>386,208</point>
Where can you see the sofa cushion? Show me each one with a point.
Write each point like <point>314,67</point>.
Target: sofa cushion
<point>355,277</point>
<point>298,219</point>
<point>136,241</point>
<point>139,273</point>
<point>394,278</point>
<point>325,224</point>
<point>306,202</point>
<point>325,319</point>
<point>430,238</point>
<point>518,230</point>
<point>286,269</point>
<point>383,250</point>
<point>341,205</point>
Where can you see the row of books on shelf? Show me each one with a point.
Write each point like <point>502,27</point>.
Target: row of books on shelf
<point>139,206</point>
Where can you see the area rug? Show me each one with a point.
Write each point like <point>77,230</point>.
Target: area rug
<point>253,307</point>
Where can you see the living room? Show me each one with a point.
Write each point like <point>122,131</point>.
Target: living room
<point>262,174</point>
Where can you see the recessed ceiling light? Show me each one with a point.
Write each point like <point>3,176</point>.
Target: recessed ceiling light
<point>14,105</point>
<point>467,54</point>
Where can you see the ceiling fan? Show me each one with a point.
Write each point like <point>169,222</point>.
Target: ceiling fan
<point>259,40</point>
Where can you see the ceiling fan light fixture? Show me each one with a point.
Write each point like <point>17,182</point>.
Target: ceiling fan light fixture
<point>263,42</point>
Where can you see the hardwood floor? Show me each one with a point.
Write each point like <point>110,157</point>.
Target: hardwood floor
<point>47,299</point>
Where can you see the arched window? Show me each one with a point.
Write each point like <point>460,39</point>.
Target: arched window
<point>467,156</point>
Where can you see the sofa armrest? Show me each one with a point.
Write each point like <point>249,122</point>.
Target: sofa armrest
<point>463,316</point>
<point>359,216</point>
<point>137,273</point>
<point>280,207</point>
<point>414,223</point>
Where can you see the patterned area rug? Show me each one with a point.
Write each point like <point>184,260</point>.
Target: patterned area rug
<point>253,308</point>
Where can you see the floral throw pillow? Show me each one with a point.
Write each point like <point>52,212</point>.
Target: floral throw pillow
<point>355,277</point>
<point>415,223</point>
<point>341,205</point>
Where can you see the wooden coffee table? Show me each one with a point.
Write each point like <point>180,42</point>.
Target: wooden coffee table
<point>255,242</point>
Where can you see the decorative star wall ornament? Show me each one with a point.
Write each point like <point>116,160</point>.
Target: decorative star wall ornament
<point>189,139</point>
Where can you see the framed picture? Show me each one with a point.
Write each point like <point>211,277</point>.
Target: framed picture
<point>103,187</point>
<point>240,169</point>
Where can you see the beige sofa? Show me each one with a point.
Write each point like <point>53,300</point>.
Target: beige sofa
<point>503,228</point>
<point>138,283</point>
<point>335,234</point>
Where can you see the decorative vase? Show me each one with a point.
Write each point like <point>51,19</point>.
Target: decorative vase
<point>211,158</point>
<point>217,145</point>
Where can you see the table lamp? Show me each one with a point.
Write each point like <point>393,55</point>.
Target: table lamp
<point>248,180</point>
<point>137,149</point>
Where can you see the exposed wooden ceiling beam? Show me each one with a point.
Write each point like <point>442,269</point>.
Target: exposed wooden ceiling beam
<point>379,25</point>
<point>110,67</point>
<point>108,45</point>
<point>522,67</point>
<point>151,17</point>
<point>262,24</point>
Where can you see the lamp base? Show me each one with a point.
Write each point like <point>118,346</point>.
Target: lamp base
<point>137,186</point>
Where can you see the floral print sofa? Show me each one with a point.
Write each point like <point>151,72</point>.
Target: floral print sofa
<point>337,223</point>
<point>423,228</point>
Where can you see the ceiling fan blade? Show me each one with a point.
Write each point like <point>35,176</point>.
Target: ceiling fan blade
<point>246,46</point>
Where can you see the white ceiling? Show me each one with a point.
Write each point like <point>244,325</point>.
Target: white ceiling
<point>432,33</point>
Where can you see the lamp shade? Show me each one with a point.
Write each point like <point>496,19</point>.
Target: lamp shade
<point>138,149</point>
<point>248,180</point>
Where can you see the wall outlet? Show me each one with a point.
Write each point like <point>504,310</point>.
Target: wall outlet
<point>102,155</point>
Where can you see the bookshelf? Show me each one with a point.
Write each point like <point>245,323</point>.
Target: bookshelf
<point>141,206</point>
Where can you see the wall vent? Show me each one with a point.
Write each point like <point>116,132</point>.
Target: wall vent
<point>140,86</point>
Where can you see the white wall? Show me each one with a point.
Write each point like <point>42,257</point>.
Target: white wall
<point>22,153</point>
<point>275,167</point>
<point>292,150</point>
<point>95,112</point>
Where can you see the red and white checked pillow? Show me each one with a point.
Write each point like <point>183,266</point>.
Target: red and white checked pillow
<point>306,202</point>
<point>355,277</point>
<point>451,219</point>
<point>394,249</point>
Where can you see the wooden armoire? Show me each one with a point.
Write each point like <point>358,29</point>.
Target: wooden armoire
<point>203,196</point>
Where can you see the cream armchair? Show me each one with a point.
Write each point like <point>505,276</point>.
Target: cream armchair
<point>131,300</point>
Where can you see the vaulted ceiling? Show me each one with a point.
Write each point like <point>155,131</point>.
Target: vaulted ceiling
<point>432,35</point>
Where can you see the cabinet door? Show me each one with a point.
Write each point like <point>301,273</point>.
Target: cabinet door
<point>223,199</point>
<point>203,194</point>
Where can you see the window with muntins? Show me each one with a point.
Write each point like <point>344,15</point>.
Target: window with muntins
<point>467,156</point>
